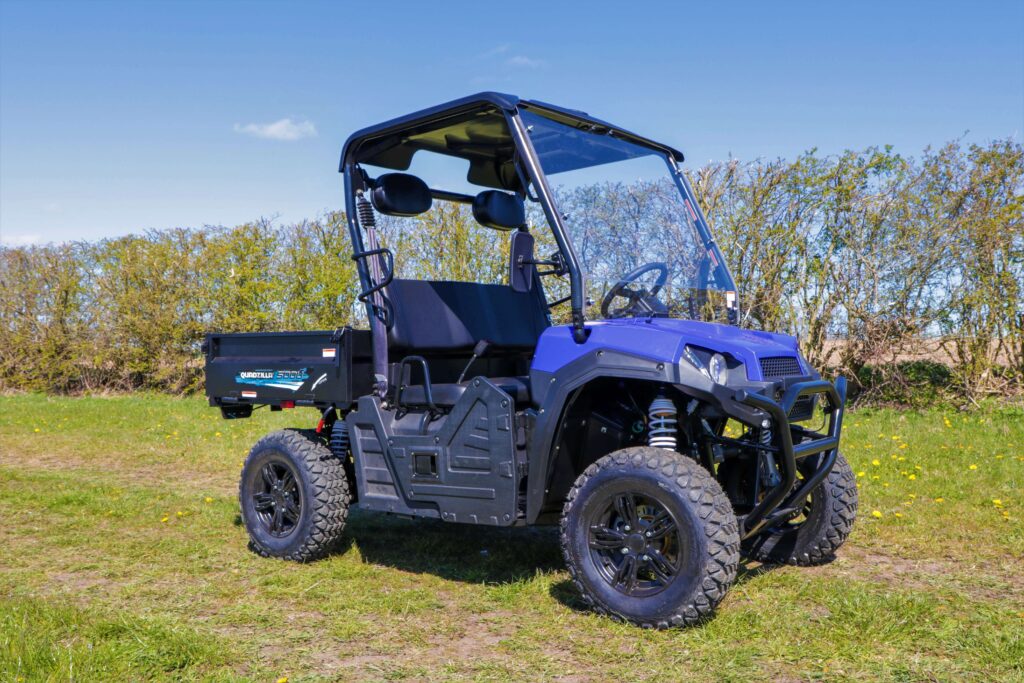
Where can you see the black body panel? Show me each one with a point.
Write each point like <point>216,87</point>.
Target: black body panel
<point>461,467</point>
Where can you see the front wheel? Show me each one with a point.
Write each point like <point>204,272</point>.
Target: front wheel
<point>649,537</point>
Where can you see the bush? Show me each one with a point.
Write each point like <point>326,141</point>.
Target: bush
<point>864,256</point>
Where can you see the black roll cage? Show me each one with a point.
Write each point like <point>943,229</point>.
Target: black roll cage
<point>530,169</point>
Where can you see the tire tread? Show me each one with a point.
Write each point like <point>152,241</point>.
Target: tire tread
<point>712,506</point>
<point>331,494</point>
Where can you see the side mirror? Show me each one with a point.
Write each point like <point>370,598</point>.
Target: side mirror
<point>521,266</point>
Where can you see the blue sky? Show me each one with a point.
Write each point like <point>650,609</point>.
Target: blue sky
<point>116,117</point>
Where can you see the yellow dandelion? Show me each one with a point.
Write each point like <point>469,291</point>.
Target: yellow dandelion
<point>282,679</point>
<point>913,495</point>
<point>217,434</point>
<point>940,500</point>
<point>180,513</point>
<point>164,518</point>
<point>973,467</point>
<point>895,438</point>
<point>885,484</point>
<point>903,445</point>
<point>901,459</point>
<point>876,462</point>
<point>912,477</point>
<point>860,474</point>
<point>875,476</point>
<point>208,499</point>
<point>917,467</point>
<point>898,514</point>
<point>999,457</point>
<point>876,514</point>
<point>37,430</point>
<point>997,502</point>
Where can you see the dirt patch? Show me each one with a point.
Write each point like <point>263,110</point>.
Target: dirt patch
<point>127,470</point>
<point>922,574</point>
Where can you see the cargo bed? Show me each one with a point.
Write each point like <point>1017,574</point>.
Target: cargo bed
<point>287,369</point>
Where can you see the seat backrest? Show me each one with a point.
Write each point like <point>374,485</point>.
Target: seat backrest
<point>454,316</point>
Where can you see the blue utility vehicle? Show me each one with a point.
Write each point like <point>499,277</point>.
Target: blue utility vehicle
<point>662,437</point>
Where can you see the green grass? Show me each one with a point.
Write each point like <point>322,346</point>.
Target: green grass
<point>122,558</point>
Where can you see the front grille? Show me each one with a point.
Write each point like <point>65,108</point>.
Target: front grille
<point>802,409</point>
<point>780,366</point>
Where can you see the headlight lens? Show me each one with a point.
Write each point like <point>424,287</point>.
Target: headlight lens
<point>714,367</point>
<point>717,368</point>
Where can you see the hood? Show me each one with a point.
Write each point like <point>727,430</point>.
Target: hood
<point>663,339</point>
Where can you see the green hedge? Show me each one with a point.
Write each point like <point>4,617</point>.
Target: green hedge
<point>881,252</point>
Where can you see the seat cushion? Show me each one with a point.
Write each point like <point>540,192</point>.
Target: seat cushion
<point>447,395</point>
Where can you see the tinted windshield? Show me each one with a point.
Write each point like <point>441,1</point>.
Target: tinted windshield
<point>625,207</point>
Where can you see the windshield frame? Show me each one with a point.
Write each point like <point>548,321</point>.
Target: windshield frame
<point>671,157</point>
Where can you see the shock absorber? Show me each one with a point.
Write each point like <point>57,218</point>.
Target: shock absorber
<point>661,424</point>
<point>771,474</point>
<point>365,210</point>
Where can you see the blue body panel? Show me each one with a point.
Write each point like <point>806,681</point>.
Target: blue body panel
<point>662,340</point>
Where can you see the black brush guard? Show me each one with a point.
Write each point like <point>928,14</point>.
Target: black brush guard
<point>781,503</point>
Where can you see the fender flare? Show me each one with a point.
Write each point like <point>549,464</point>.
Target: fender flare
<point>551,393</point>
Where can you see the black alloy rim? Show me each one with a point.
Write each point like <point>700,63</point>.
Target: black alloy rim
<point>635,543</point>
<point>277,498</point>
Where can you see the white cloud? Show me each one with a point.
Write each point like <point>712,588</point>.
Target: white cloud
<point>285,129</point>
<point>20,240</point>
<point>524,61</point>
<point>495,51</point>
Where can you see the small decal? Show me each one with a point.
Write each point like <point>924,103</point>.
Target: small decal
<point>248,394</point>
<point>330,353</point>
<point>319,380</point>
<point>712,257</point>
<point>280,379</point>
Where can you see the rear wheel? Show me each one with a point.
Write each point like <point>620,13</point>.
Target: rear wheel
<point>649,537</point>
<point>822,527</point>
<point>294,496</point>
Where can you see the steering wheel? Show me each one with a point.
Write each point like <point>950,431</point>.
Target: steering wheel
<point>639,301</point>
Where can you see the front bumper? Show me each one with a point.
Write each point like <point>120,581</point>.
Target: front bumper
<point>790,443</point>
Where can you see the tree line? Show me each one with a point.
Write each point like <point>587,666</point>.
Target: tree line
<point>905,273</point>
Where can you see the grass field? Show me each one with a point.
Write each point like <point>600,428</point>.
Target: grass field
<point>122,558</point>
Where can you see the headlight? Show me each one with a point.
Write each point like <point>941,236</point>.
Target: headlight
<point>717,368</point>
<point>711,365</point>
